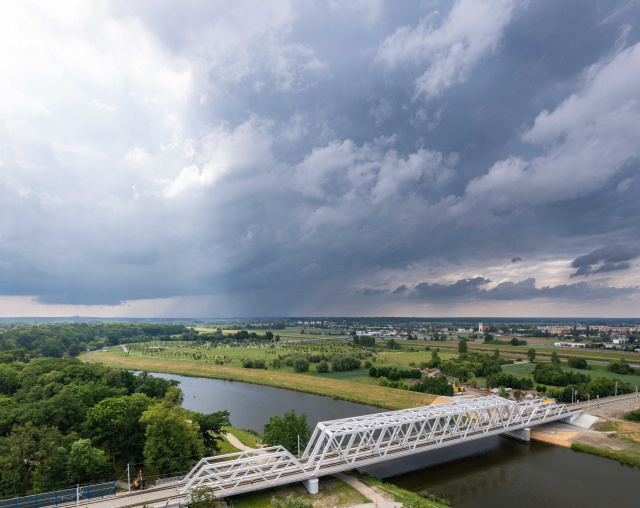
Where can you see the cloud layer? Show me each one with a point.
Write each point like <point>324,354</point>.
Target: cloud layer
<point>217,159</point>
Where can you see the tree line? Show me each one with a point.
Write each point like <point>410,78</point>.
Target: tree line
<point>54,340</point>
<point>64,422</point>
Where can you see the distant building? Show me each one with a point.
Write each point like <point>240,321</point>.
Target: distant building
<point>570,344</point>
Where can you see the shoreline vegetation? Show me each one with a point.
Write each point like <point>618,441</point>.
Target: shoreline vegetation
<point>370,395</point>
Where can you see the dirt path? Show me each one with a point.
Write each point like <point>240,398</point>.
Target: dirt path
<point>371,493</point>
<point>236,442</point>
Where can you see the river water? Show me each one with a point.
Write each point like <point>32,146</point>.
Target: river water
<point>492,472</point>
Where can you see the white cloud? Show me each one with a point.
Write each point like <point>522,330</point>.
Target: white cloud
<point>471,31</point>
<point>226,152</point>
<point>588,138</point>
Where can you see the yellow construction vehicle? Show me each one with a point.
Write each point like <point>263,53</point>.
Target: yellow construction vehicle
<point>139,482</point>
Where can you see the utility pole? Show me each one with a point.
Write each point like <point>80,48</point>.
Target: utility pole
<point>616,390</point>
<point>128,477</point>
<point>77,494</point>
<point>588,399</point>
<point>298,445</point>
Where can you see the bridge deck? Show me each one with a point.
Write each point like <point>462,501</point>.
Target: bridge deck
<point>339,445</point>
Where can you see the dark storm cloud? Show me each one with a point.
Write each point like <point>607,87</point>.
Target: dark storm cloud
<point>400,289</point>
<point>276,154</point>
<point>610,258</point>
<point>473,289</point>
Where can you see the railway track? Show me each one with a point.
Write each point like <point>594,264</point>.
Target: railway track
<point>606,402</point>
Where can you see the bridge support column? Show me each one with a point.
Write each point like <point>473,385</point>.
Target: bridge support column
<point>311,484</point>
<point>522,435</point>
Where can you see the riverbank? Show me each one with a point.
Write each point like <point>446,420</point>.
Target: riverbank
<point>371,395</point>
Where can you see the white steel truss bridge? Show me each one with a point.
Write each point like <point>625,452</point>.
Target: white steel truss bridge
<point>339,445</point>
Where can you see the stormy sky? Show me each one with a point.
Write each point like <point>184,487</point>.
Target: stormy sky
<point>328,157</point>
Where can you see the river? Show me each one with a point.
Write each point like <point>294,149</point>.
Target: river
<point>491,472</point>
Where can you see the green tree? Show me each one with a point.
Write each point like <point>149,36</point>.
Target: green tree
<point>322,367</point>
<point>87,464</point>
<point>301,365</point>
<point>115,422</point>
<point>462,346</point>
<point>8,380</point>
<point>210,428</point>
<point>172,441</point>
<point>284,430</point>
<point>21,452</point>
<point>554,358</point>
<point>531,354</point>
<point>204,497</point>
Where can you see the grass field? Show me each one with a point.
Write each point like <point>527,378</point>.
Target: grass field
<point>342,375</point>
<point>524,369</point>
<point>521,351</point>
<point>389,398</point>
<point>331,492</point>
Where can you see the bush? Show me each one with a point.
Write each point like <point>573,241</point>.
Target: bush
<point>322,367</point>
<point>620,367</point>
<point>435,385</point>
<point>344,362</point>
<point>577,363</point>
<point>367,364</point>
<point>633,416</point>
<point>301,365</point>
<point>247,364</point>
<point>383,381</point>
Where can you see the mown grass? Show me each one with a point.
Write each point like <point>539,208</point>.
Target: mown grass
<point>226,447</point>
<point>630,455</point>
<point>378,396</point>
<point>342,375</point>
<point>407,498</point>
<point>244,436</point>
<point>331,492</point>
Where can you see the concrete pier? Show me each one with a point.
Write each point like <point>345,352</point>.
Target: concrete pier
<point>522,435</point>
<point>311,485</point>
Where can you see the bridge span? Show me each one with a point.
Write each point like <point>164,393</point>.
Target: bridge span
<point>339,445</point>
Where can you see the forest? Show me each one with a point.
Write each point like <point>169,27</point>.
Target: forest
<point>64,422</point>
<point>54,340</point>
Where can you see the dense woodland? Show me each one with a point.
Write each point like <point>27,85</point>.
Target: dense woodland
<point>54,340</point>
<point>64,422</point>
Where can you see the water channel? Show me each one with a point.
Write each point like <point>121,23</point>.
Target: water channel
<point>490,472</point>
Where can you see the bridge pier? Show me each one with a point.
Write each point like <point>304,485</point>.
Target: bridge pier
<point>311,485</point>
<point>522,435</point>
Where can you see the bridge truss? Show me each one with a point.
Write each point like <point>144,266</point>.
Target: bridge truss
<point>339,445</point>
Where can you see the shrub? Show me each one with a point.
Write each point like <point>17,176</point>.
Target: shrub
<point>301,365</point>
<point>322,367</point>
<point>577,363</point>
<point>633,416</point>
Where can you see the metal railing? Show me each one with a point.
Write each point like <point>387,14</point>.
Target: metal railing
<point>60,497</point>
